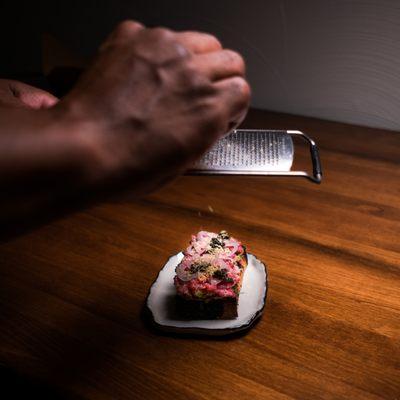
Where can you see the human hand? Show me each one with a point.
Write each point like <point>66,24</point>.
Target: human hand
<point>153,101</point>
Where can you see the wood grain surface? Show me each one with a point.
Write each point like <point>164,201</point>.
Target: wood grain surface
<point>72,291</point>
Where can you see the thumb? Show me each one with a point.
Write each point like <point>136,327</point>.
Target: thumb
<point>32,97</point>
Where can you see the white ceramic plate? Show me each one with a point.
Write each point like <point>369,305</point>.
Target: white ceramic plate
<point>161,300</point>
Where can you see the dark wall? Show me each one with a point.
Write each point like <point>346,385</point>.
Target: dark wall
<point>82,25</point>
<point>334,59</point>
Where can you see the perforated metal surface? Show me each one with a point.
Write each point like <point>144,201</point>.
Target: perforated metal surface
<point>249,151</point>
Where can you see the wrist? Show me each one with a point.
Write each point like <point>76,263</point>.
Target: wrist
<point>85,142</point>
<point>108,150</point>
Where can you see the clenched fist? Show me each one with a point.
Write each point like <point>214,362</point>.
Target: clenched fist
<point>153,100</point>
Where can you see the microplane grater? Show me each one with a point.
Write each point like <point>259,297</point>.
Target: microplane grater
<point>257,152</point>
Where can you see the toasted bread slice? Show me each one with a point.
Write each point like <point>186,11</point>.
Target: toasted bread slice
<point>198,296</point>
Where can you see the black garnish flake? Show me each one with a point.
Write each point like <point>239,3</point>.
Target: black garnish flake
<point>216,243</point>
<point>223,235</point>
<point>199,267</point>
<point>222,275</point>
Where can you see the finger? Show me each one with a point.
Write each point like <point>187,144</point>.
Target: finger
<point>32,97</point>
<point>198,42</point>
<point>37,100</point>
<point>48,100</point>
<point>219,64</point>
<point>125,30</point>
<point>234,94</point>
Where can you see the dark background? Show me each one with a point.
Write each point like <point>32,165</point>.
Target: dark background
<point>332,59</point>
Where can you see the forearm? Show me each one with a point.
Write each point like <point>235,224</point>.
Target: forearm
<point>44,157</point>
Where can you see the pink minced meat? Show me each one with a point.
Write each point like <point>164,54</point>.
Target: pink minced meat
<point>212,267</point>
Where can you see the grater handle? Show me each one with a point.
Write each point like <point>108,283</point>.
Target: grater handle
<point>316,161</point>
<point>317,168</point>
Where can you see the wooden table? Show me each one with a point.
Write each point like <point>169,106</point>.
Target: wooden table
<point>71,292</point>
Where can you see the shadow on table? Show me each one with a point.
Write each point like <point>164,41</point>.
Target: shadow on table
<point>49,359</point>
<point>23,387</point>
<point>187,333</point>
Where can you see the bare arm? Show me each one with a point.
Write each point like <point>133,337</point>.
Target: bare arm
<point>42,162</point>
<point>152,102</point>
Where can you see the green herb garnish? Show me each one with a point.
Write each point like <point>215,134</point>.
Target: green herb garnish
<point>235,289</point>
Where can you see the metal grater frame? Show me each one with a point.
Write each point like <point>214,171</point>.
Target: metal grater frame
<point>257,152</point>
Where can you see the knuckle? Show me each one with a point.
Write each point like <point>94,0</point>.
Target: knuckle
<point>236,59</point>
<point>160,33</point>
<point>242,89</point>
<point>126,28</point>
<point>180,51</point>
<point>212,40</point>
<point>160,46</point>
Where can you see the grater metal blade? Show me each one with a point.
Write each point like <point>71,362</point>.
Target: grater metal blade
<point>256,152</point>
